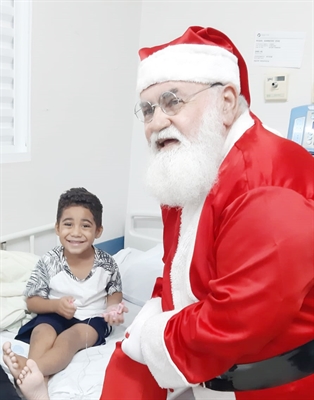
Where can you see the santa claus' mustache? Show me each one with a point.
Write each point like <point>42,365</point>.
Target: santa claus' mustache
<point>159,140</point>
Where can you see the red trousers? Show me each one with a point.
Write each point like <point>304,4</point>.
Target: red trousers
<point>126,379</point>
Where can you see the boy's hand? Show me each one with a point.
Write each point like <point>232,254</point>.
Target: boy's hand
<point>66,307</point>
<point>114,314</point>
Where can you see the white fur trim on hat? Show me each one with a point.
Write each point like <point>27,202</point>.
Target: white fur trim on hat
<point>189,62</point>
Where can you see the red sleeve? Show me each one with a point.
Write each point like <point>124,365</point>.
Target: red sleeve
<point>256,306</point>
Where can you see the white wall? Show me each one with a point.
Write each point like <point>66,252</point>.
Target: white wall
<point>83,69</point>
<point>162,22</point>
<point>84,62</point>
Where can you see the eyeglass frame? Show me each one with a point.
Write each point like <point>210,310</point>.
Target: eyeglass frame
<point>179,100</point>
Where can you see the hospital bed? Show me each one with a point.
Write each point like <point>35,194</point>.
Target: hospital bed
<point>139,263</point>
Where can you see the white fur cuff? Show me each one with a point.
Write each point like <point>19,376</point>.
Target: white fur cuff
<point>156,355</point>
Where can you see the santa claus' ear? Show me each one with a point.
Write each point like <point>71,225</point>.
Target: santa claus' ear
<point>230,104</point>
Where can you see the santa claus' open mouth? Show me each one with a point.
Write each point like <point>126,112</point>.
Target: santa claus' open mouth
<point>162,143</point>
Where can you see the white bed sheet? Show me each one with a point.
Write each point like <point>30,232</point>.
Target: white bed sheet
<point>83,378</point>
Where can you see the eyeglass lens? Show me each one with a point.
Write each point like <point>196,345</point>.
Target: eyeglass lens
<point>168,102</point>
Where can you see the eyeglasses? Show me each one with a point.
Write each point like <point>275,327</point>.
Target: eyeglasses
<point>169,103</point>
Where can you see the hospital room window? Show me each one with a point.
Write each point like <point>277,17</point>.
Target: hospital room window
<point>15,39</point>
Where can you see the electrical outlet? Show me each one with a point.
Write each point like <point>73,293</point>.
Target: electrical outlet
<point>276,87</point>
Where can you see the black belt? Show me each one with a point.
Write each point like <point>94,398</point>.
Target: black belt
<point>285,368</point>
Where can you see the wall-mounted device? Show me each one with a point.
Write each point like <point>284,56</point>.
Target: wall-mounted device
<point>301,126</point>
<point>276,87</point>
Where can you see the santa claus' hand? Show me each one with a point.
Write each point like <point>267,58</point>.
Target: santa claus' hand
<point>131,344</point>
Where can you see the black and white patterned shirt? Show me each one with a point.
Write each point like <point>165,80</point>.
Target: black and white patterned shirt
<point>53,279</point>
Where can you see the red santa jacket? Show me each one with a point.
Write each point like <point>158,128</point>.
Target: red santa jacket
<point>239,268</point>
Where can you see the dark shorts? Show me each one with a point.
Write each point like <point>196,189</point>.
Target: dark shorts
<point>60,324</point>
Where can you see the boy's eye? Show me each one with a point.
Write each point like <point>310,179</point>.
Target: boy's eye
<point>86,226</point>
<point>67,224</point>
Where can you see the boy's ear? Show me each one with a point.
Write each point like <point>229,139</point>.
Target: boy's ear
<point>99,231</point>
<point>57,228</point>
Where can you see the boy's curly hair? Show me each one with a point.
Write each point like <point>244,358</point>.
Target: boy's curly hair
<point>80,197</point>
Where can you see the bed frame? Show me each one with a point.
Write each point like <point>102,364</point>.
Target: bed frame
<point>142,231</point>
<point>31,240</point>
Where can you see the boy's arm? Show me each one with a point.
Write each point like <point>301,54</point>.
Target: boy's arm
<point>63,306</point>
<point>114,299</point>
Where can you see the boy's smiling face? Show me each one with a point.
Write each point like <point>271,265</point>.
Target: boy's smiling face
<point>77,230</point>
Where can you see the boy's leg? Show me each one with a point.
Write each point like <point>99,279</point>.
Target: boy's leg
<point>14,362</point>
<point>66,345</point>
<point>31,382</point>
<point>42,339</point>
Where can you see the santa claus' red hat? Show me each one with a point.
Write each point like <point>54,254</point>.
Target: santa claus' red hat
<point>203,55</point>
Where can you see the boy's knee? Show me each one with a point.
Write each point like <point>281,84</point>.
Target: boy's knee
<point>44,329</point>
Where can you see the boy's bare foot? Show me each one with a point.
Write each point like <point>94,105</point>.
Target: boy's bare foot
<point>31,382</point>
<point>14,362</point>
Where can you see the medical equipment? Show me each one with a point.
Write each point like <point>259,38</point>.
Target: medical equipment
<point>301,126</point>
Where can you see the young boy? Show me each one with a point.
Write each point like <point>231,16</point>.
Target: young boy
<point>75,290</point>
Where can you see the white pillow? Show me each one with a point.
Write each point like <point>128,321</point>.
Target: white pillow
<point>139,271</point>
<point>16,267</point>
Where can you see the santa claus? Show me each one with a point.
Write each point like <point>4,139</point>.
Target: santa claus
<point>234,309</point>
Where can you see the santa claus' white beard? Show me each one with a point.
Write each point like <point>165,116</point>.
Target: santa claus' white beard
<point>186,172</point>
